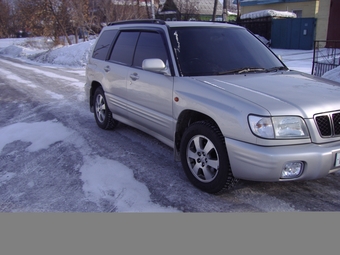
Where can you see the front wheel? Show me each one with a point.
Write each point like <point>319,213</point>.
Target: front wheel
<point>205,159</point>
<point>102,113</point>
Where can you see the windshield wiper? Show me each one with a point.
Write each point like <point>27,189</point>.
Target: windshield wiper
<point>243,70</point>
<point>276,68</point>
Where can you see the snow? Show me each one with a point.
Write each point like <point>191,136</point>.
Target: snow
<point>39,139</point>
<point>103,178</point>
<point>268,13</point>
<point>39,51</point>
<point>333,74</point>
<point>99,175</point>
<point>117,184</point>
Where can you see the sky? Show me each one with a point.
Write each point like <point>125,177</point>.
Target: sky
<point>134,196</point>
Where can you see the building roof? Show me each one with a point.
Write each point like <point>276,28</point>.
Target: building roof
<point>268,13</point>
<point>207,7</point>
<point>202,7</point>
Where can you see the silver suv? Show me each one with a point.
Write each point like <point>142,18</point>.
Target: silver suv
<point>227,105</point>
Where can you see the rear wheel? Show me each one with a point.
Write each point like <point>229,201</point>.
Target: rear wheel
<point>102,113</point>
<point>205,159</point>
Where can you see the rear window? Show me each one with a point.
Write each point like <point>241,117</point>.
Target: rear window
<point>124,48</point>
<point>103,44</point>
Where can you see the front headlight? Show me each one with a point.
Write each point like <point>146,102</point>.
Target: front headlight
<point>286,127</point>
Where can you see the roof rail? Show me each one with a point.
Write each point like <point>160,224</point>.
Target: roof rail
<point>138,21</point>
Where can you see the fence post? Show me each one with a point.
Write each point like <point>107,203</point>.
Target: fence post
<point>313,57</point>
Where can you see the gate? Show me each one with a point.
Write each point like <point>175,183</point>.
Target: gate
<point>259,26</point>
<point>293,33</point>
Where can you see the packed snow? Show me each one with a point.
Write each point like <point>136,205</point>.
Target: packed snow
<point>133,196</point>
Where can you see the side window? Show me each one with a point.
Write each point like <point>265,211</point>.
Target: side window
<point>150,45</point>
<point>103,45</point>
<point>124,48</point>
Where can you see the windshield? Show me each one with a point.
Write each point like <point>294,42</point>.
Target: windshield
<point>220,51</point>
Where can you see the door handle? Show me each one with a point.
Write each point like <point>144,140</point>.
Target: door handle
<point>134,76</point>
<point>107,68</point>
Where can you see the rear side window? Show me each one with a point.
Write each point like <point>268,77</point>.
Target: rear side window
<point>103,45</point>
<point>150,45</point>
<point>124,48</point>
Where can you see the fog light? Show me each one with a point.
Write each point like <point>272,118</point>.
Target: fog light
<point>292,170</point>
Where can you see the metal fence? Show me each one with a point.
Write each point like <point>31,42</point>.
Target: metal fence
<point>259,26</point>
<point>326,56</point>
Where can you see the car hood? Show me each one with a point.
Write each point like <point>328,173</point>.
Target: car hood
<point>281,93</point>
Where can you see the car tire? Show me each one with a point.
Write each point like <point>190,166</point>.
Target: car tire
<point>205,159</point>
<point>102,113</point>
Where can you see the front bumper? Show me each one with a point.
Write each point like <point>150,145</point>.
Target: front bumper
<point>258,163</point>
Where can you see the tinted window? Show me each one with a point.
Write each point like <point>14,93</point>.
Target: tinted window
<point>124,48</point>
<point>212,51</point>
<point>150,45</point>
<point>103,44</point>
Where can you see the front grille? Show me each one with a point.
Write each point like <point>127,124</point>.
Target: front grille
<point>328,124</point>
<point>336,121</point>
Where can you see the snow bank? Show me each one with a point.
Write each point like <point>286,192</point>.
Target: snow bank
<point>41,51</point>
<point>75,55</point>
<point>12,51</point>
<point>333,74</point>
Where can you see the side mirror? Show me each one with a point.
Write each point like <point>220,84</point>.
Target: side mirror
<point>155,65</point>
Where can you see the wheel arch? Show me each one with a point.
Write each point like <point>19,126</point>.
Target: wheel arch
<point>185,119</point>
<point>94,86</point>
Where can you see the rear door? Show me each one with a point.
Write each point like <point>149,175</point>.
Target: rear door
<point>117,67</point>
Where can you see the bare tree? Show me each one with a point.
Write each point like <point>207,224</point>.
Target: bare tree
<point>187,9</point>
<point>113,10</point>
<point>147,8</point>
<point>61,18</point>
<point>30,16</point>
<point>50,18</point>
<point>57,12</point>
<point>214,11</point>
<point>4,18</point>
<point>82,18</point>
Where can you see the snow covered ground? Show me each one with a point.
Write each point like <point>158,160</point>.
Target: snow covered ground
<point>37,51</point>
<point>99,175</point>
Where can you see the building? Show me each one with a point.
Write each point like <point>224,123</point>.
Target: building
<point>188,10</point>
<point>326,13</point>
<point>333,32</point>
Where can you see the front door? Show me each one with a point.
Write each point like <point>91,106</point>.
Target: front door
<point>150,94</point>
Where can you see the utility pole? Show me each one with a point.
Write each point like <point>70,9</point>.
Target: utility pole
<point>225,11</point>
<point>153,9</point>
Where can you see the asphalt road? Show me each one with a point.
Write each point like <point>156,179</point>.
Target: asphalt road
<point>49,180</point>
